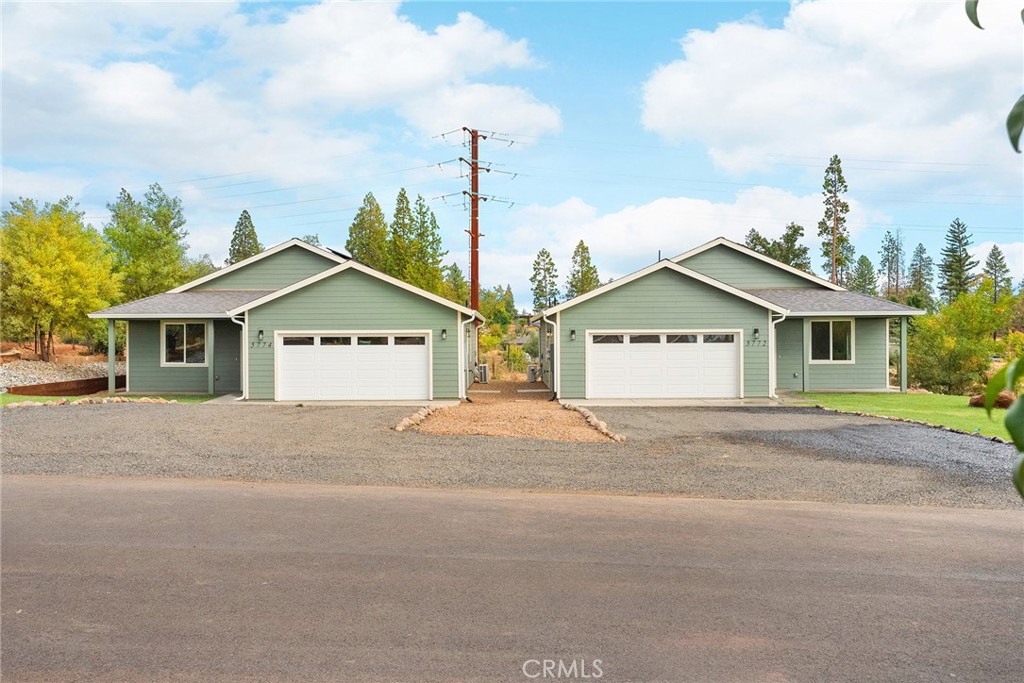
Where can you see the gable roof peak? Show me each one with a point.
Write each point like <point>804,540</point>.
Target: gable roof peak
<point>723,242</point>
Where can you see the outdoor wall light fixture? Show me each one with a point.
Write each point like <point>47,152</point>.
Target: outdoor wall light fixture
<point>444,334</point>
<point>259,335</point>
<point>572,335</point>
<point>757,333</point>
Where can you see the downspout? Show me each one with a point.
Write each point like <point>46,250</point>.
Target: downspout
<point>244,359</point>
<point>462,340</point>
<point>773,360</point>
<point>554,361</point>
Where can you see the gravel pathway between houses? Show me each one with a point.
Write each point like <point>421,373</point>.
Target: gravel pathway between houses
<point>743,453</point>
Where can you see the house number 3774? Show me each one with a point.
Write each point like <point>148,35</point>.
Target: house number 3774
<point>260,345</point>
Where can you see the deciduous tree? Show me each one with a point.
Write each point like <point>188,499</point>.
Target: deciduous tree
<point>54,269</point>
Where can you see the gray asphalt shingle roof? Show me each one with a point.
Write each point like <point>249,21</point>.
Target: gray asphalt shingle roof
<point>201,304</point>
<point>828,301</point>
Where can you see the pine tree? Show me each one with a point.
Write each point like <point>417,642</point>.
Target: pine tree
<point>956,270</point>
<point>423,269</point>
<point>847,262</point>
<point>998,272</point>
<point>244,242</point>
<point>920,276</point>
<point>583,277</point>
<point>544,281</point>
<point>832,228</point>
<point>787,249</point>
<point>891,263</point>
<point>456,285</point>
<point>864,279</point>
<point>368,235</point>
<point>401,236</point>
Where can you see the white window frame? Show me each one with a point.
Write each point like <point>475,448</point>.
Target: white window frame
<point>164,363</point>
<point>853,342</point>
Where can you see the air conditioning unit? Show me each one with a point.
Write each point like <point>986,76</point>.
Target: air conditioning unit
<point>483,374</point>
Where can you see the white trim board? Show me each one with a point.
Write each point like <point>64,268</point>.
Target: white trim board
<point>721,241</point>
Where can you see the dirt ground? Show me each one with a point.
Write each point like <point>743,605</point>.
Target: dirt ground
<point>515,409</point>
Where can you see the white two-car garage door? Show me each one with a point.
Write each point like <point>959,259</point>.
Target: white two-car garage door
<point>664,365</point>
<point>340,366</point>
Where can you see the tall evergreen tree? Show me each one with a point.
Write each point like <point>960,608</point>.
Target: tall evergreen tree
<point>368,235</point>
<point>401,238</point>
<point>583,277</point>
<point>786,249</point>
<point>544,281</point>
<point>244,242</point>
<point>956,270</point>
<point>998,272</point>
<point>832,228</point>
<point>423,269</point>
<point>847,262</point>
<point>456,285</point>
<point>148,242</point>
<point>864,279</point>
<point>892,264</point>
<point>920,276</point>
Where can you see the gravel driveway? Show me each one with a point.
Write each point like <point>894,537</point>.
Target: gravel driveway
<point>740,453</point>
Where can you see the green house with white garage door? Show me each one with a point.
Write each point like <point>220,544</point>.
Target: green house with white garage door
<point>719,321</point>
<point>298,323</point>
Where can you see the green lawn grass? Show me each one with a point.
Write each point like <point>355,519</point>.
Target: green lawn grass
<point>180,398</point>
<point>936,409</point>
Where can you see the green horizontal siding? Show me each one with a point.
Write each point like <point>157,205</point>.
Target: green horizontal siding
<point>273,272</point>
<point>789,339</point>
<point>744,272</point>
<point>871,366</point>
<point>663,300</point>
<point>144,371</point>
<point>353,301</point>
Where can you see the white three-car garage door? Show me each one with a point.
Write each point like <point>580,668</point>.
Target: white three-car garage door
<point>352,366</point>
<point>664,365</point>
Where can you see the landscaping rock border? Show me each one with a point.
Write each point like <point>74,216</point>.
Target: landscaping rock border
<point>414,419</point>
<point>87,401</point>
<point>593,421</point>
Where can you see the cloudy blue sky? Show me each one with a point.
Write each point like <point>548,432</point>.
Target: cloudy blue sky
<point>638,128</point>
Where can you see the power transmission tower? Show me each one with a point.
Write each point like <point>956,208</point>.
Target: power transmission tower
<point>474,214</point>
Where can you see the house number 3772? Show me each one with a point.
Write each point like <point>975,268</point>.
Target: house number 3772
<point>757,342</point>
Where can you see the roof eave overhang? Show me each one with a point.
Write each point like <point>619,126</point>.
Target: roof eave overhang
<point>103,315</point>
<point>854,314</point>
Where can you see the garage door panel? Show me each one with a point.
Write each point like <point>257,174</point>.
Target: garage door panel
<point>350,367</point>
<point>680,365</point>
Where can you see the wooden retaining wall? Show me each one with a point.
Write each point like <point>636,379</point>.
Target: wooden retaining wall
<point>78,387</point>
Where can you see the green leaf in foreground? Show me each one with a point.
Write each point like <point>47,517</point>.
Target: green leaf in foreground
<point>1015,424</point>
<point>1015,123</point>
<point>971,6</point>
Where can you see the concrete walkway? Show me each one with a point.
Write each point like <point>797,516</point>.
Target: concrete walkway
<point>232,399</point>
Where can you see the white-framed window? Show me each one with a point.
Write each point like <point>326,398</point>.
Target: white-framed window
<point>832,341</point>
<point>183,343</point>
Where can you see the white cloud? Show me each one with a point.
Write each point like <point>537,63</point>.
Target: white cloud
<point>899,80</point>
<point>1013,251</point>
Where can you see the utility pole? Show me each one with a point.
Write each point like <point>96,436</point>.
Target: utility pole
<point>473,162</point>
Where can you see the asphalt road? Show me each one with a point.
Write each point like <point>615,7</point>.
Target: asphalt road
<point>151,580</point>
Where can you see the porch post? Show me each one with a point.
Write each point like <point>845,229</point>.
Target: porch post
<point>805,354</point>
<point>111,357</point>
<point>903,354</point>
<point>209,356</point>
